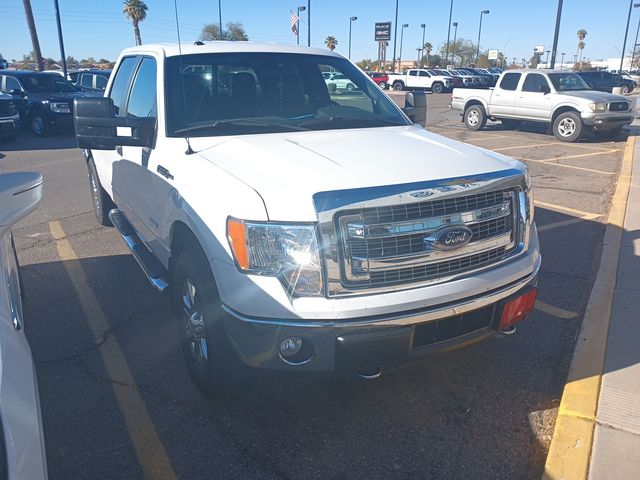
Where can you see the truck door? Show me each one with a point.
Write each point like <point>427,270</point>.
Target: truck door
<point>413,80</point>
<point>503,99</point>
<point>425,79</point>
<point>533,100</point>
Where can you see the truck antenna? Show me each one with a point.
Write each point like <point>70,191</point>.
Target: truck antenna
<point>189,150</point>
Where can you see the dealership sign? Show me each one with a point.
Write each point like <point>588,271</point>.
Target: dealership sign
<point>383,31</point>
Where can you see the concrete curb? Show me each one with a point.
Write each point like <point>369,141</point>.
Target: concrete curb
<point>570,450</point>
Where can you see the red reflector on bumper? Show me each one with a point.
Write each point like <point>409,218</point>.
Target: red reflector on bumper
<point>518,308</point>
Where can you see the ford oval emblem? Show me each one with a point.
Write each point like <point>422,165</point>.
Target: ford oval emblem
<point>448,238</point>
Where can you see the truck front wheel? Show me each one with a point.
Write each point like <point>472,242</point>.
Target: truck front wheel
<point>475,117</point>
<point>567,127</point>
<point>208,356</point>
<point>437,87</point>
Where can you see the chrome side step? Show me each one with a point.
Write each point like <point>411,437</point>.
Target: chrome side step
<point>151,266</point>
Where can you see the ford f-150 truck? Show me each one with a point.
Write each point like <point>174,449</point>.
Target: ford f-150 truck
<point>419,78</point>
<point>559,98</point>
<point>246,189</point>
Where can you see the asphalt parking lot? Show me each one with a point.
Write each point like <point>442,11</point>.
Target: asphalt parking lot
<point>117,401</point>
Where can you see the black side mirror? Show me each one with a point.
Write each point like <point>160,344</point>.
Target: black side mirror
<point>98,128</point>
<point>415,107</point>
<point>17,92</point>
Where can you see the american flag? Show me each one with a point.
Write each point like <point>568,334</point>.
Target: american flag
<point>294,22</point>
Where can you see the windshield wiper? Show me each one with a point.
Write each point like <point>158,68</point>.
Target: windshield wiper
<point>335,118</point>
<point>238,122</point>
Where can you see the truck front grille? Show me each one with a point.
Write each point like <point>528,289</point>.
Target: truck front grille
<point>618,106</point>
<point>393,245</point>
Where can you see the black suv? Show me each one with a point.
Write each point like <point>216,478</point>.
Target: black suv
<point>44,100</point>
<point>605,81</point>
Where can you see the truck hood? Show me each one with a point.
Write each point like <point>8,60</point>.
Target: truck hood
<point>287,169</point>
<point>595,96</point>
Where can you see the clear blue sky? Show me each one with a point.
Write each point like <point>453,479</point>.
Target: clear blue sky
<point>99,29</point>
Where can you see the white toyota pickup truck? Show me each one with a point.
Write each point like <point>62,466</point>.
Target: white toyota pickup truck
<point>556,97</point>
<point>297,228</point>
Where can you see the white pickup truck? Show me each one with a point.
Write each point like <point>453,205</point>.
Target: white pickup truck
<point>556,97</point>
<point>299,228</point>
<point>420,79</point>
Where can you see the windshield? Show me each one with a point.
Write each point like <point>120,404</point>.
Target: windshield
<point>231,94</point>
<point>564,82</point>
<point>45,83</point>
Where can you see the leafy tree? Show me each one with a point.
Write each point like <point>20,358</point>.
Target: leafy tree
<point>367,64</point>
<point>234,32</point>
<point>465,51</point>
<point>533,63</point>
<point>103,60</point>
<point>37,55</point>
<point>136,11</point>
<point>71,60</point>
<point>427,48</point>
<point>331,42</point>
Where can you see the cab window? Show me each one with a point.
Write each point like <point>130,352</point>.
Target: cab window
<point>424,74</point>
<point>510,81</point>
<point>534,82</point>
<point>142,102</point>
<point>86,81</point>
<point>120,85</point>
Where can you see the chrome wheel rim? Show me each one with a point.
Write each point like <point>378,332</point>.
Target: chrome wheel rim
<point>194,323</point>
<point>473,118</point>
<point>566,127</point>
<point>382,85</point>
<point>38,124</point>
<point>437,89</point>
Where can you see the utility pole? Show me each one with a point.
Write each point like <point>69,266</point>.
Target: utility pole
<point>64,58</point>
<point>626,31</point>
<point>308,23</point>
<point>300,9</point>
<point>220,17</point>
<point>446,55</point>
<point>395,37</point>
<point>555,35</point>
<point>424,27</point>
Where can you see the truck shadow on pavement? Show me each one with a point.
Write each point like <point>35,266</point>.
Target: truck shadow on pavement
<point>28,141</point>
<point>486,411</point>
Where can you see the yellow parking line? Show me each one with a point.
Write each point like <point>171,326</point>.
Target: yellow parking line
<point>523,146</point>
<point>151,454</point>
<point>563,209</point>
<point>579,155</point>
<point>564,223</point>
<point>555,311</point>
<point>592,170</point>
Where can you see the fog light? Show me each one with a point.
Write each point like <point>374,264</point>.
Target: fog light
<point>290,346</point>
<point>518,308</point>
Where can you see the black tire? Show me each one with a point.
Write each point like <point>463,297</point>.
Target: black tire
<point>350,87</point>
<point>102,202</point>
<point>39,125</point>
<point>437,87</point>
<point>608,134</point>
<point>398,86</point>
<point>212,365</point>
<point>382,85</point>
<point>568,127</point>
<point>510,124</point>
<point>625,89</point>
<point>475,117</point>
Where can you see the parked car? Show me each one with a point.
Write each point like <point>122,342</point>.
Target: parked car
<point>282,246</point>
<point>9,118</point>
<point>468,80</point>
<point>381,79</point>
<point>92,82</point>
<point>557,97</point>
<point>21,436</point>
<point>341,82</point>
<point>44,99</point>
<point>456,81</point>
<point>486,80</point>
<point>420,79</point>
<point>3,64</point>
<point>604,81</point>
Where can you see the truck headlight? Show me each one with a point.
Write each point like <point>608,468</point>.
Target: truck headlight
<point>287,251</point>
<point>598,107</point>
<point>59,107</point>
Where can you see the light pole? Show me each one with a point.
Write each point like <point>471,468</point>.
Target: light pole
<point>404,25</point>
<point>220,17</point>
<point>446,55</point>
<point>482,12</point>
<point>395,37</point>
<point>424,27</point>
<point>308,23</point>
<point>301,8</point>
<point>554,49</point>
<point>453,48</point>
<point>562,62</point>
<point>633,52</point>
<point>419,51</point>
<point>626,31</point>
<point>351,20</point>
<point>64,58</point>
<point>546,62</point>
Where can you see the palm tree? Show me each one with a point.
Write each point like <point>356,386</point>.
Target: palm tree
<point>136,11</point>
<point>34,34</point>
<point>331,42</point>
<point>582,34</point>
<point>427,48</point>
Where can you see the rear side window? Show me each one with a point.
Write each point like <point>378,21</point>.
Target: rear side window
<point>86,81</point>
<point>121,84</point>
<point>424,74</point>
<point>101,82</point>
<point>534,82</point>
<point>142,102</point>
<point>510,81</point>
<point>413,73</point>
